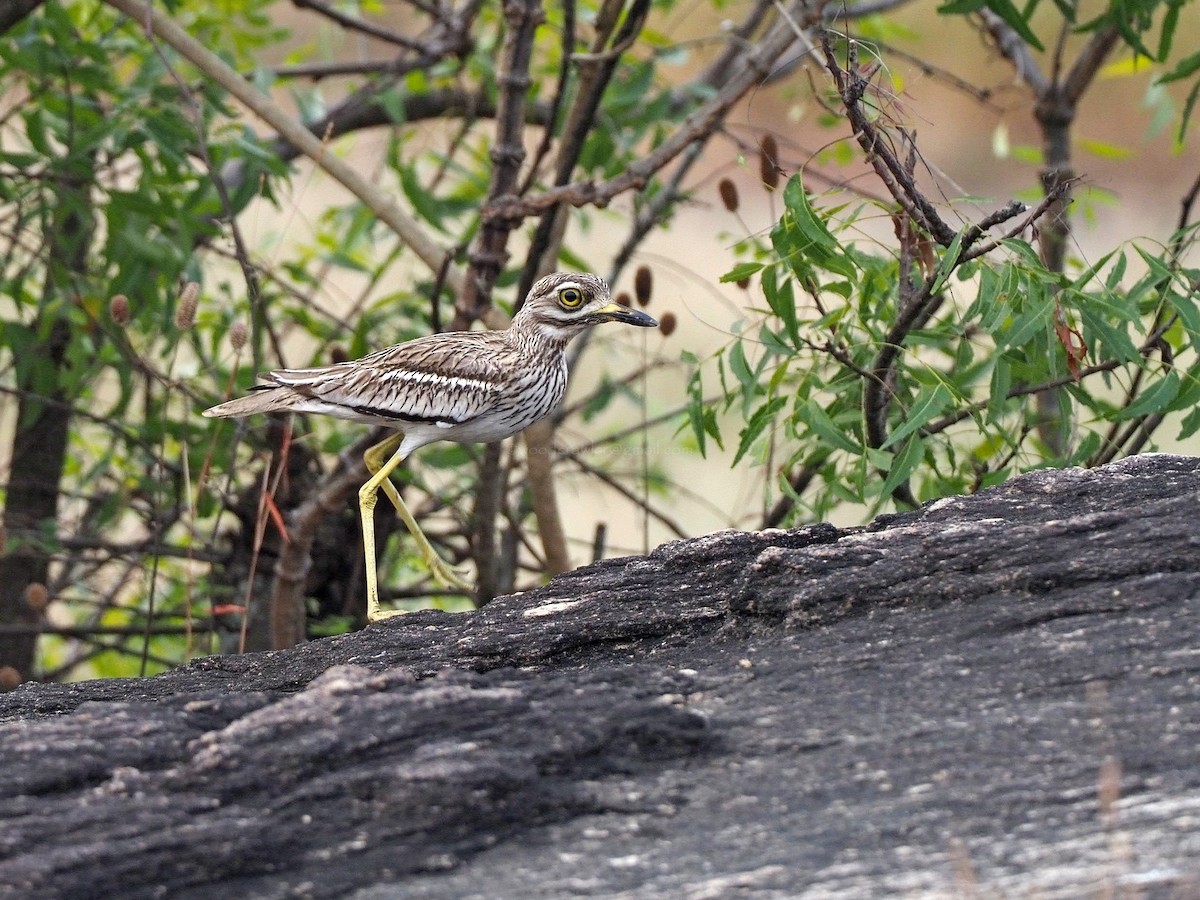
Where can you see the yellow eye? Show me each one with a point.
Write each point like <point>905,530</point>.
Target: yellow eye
<point>570,297</point>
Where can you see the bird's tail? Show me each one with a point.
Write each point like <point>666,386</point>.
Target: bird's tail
<point>268,398</point>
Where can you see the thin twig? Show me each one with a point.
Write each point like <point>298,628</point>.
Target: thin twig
<point>354,24</point>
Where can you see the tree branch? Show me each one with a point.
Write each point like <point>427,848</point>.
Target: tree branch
<point>896,177</point>
<point>751,68</point>
<point>489,252</point>
<point>1013,47</point>
<point>351,23</point>
<point>13,12</point>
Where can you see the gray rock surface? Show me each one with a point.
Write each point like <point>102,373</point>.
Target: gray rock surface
<point>996,695</point>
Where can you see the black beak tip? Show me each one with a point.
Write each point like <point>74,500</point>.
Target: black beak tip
<point>639,318</point>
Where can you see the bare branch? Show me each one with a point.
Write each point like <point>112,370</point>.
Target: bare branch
<point>354,24</point>
<point>1054,196</point>
<point>851,88</point>
<point>1013,47</point>
<point>489,252</point>
<point>13,11</point>
<point>1088,63</point>
<point>751,68</point>
<point>596,71</point>
<point>368,111</point>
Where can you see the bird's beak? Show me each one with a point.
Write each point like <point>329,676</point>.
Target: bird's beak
<point>615,312</point>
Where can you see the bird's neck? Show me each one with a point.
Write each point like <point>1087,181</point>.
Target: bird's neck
<point>538,335</point>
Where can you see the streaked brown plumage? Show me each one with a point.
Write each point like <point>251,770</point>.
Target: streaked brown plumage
<point>468,387</point>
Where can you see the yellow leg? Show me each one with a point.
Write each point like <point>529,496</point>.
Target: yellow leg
<point>381,470</point>
<point>376,456</point>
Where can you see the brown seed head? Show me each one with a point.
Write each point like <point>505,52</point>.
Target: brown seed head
<point>185,313</point>
<point>623,299</point>
<point>118,309</point>
<point>729,194</point>
<point>643,284</point>
<point>743,283</point>
<point>667,323</point>
<point>10,678</point>
<point>237,335</point>
<point>768,161</point>
<point>36,596</point>
<point>338,354</point>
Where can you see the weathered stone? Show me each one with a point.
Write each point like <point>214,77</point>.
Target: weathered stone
<point>995,694</point>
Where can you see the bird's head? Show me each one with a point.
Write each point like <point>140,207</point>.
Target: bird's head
<point>564,304</point>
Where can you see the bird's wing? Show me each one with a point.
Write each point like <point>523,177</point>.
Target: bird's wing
<point>444,379</point>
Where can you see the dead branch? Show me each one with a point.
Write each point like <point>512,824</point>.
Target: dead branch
<point>352,23</point>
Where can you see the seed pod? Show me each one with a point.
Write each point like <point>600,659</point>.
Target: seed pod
<point>338,354</point>
<point>667,323</point>
<point>623,299</point>
<point>36,596</point>
<point>185,313</point>
<point>729,194</point>
<point>10,678</point>
<point>118,309</point>
<point>743,283</point>
<point>768,161</point>
<point>237,335</point>
<point>643,283</point>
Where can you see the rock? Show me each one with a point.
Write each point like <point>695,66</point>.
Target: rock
<point>994,694</point>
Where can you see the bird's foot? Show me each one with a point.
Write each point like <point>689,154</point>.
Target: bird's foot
<point>448,576</point>
<point>380,614</point>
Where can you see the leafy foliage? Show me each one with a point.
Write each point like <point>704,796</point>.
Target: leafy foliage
<point>886,375</point>
<point>188,270</point>
<point>959,405</point>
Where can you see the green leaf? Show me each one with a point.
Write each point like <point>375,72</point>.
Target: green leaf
<point>701,416</point>
<point>903,465</point>
<point>425,203</point>
<point>1167,33</point>
<point>1185,68</point>
<point>1186,116</point>
<point>741,272</point>
<point>1117,273</point>
<point>1004,9</point>
<point>763,416</point>
<point>809,224</point>
<point>930,402</point>
<point>1190,425</point>
<point>947,262</point>
<point>1189,313</point>
<point>1030,321</point>
<point>740,367</point>
<point>1116,342</point>
<point>781,299</point>
<point>807,238</point>
<point>774,343</point>
<point>599,400</point>
<point>1001,384</point>
<point>961,7</point>
<point>391,101</point>
<point>1105,150</point>
<point>1156,398</point>
<point>814,416</point>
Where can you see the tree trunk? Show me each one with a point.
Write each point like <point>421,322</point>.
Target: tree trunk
<point>39,448</point>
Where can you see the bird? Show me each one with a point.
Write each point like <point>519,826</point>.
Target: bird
<point>461,386</point>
